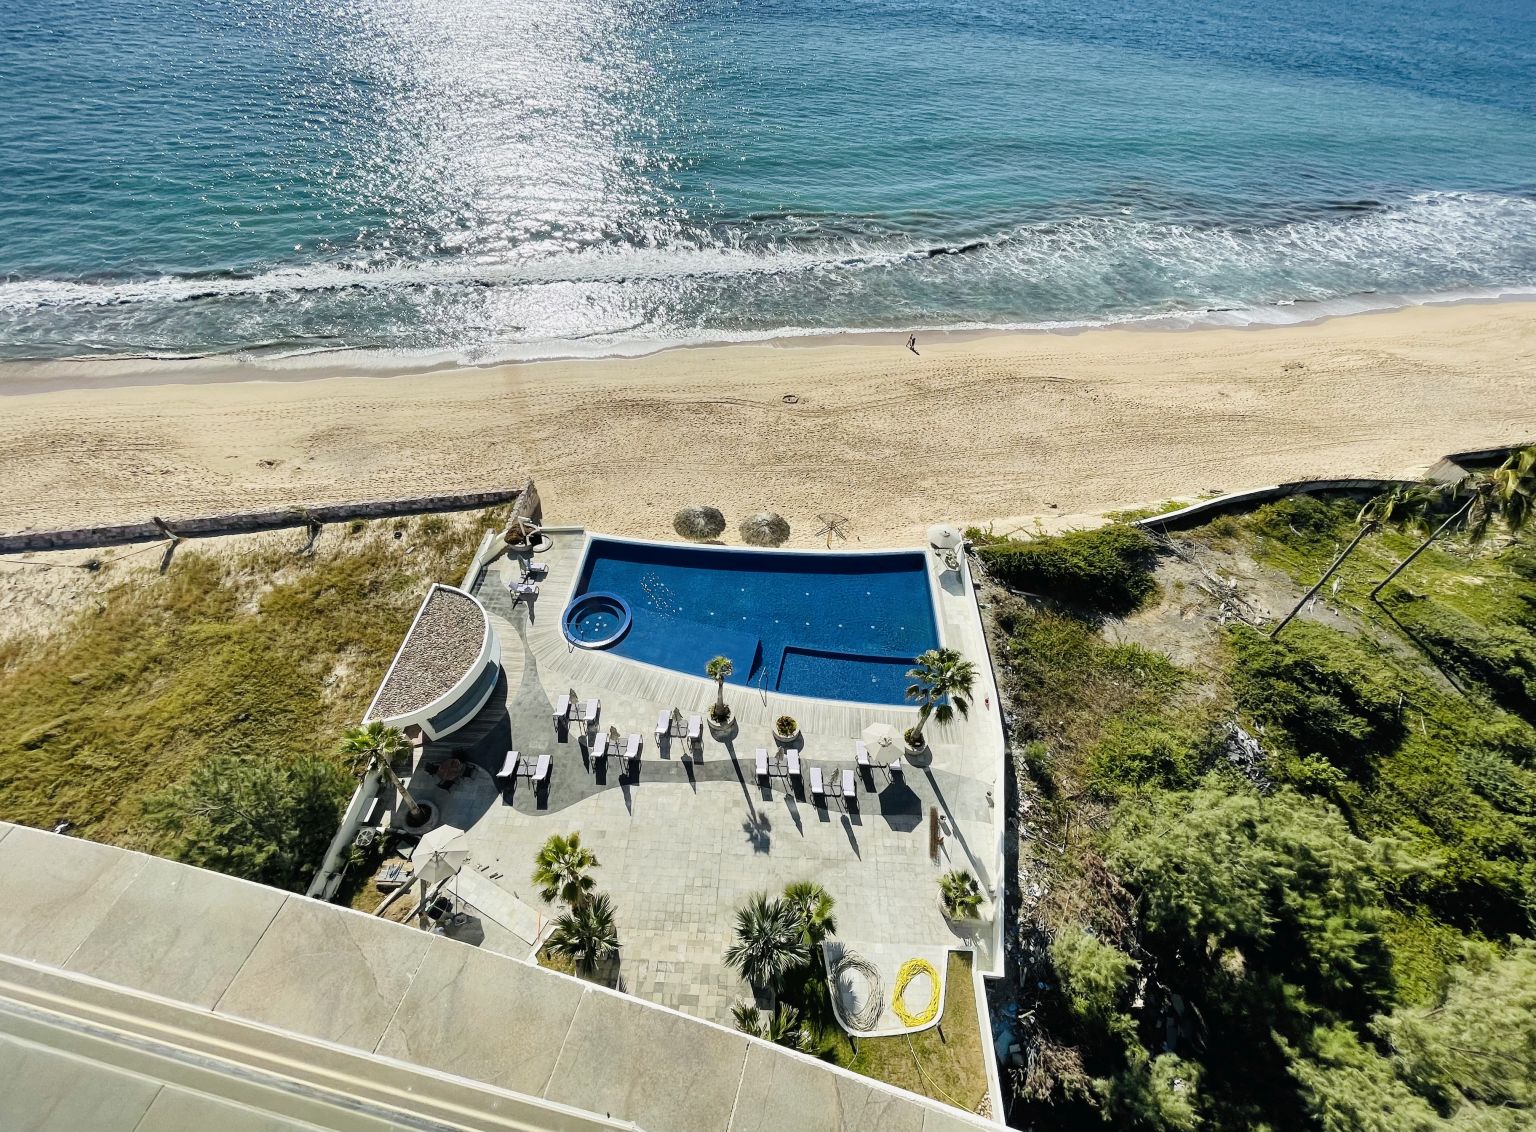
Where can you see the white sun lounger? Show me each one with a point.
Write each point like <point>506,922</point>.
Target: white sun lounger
<point>632,750</point>
<point>762,764</point>
<point>509,765</point>
<point>563,707</point>
<point>792,758</point>
<point>663,725</point>
<point>541,771</point>
<point>849,789</point>
<point>600,746</point>
<point>817,790</point>
<point>589,710</point>
<point>695,728</point>
<point>861,753</point>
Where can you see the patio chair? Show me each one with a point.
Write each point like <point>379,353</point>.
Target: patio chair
<point>861,755</point>
<point>818,791</point>
<point>589,710</point>
<point>632,751</point>
<point>663,725</point>
<point>695,729</point>
<point>600,746</point>
<point>792,761</point>
<point>762,764</point>
<point>849,789</point>
<point>540,773</point>
<point>508,767</point>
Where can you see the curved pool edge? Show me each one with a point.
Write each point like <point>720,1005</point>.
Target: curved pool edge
<point>591,602</point>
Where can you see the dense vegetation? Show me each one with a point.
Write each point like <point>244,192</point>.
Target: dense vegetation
<point>197,714</point>
<point>1328,935</point>
<point>1107,569</point>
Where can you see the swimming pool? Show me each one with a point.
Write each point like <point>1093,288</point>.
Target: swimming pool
<point>834,626</point>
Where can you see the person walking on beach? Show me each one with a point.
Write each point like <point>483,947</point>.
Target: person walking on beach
<point>912,343</point>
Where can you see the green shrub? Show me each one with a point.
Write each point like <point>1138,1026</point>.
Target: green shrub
<point>1305,519</point>
<point>1108,569</point>
<point>266,818</point>
<point>1095,976</point>
<point>1320,701</point>
<point>1500,657</point>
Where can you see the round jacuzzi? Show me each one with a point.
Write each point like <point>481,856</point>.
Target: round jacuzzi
<point>596,620</point>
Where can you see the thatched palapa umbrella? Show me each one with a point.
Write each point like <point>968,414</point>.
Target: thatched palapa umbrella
<point>699,523</point>
<point>764,529</point>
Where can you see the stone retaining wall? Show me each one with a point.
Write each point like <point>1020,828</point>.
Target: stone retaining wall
<point>242,522</point>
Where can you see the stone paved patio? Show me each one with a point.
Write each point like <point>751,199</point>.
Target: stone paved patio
<point>687,838</point>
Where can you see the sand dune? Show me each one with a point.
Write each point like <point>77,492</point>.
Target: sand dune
<point>975,429</point>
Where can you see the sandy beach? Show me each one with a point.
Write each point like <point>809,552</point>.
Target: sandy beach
<point>975,429</point>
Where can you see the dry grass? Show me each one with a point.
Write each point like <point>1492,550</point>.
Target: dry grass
<point>250,650</point>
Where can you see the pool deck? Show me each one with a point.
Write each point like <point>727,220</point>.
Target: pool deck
<point>683,842</point>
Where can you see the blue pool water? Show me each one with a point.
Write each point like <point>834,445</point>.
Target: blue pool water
<point>836,626</point>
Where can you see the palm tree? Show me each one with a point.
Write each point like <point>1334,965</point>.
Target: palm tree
<point>375,747</point>
<point>783,1026</point>
<point>719,670</point>
<point>1506,493</point>
<point>767,943</point>
<point>960,894</point>
<point>943,686</point>
<point>560,870</point>
<point>812,906</point>
<point>1402,505</point>
<point>586,935</point>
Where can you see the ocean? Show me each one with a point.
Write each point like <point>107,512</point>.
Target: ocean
<point>487,179</point>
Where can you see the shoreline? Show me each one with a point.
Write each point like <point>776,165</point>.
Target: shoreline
<point>19,377</point>
<point>995,428</point>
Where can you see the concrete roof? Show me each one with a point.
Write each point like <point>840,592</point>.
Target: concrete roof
<point>174,998</point>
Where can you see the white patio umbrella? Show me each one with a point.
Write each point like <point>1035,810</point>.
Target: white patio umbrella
<point>880,737</point>
<point>440,854</point>
<point>945,537</point>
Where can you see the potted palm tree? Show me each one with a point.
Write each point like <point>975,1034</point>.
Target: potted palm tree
<point>785,730</point>
<point>942,683</point>
<point>768,943</point>
<point>375,747</point>
<point>960,895</point>
<point>585,936</point>
<point>561,870</point>
<point>719,670</point>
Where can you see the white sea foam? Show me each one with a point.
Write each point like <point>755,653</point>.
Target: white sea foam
<point>1063,275</point>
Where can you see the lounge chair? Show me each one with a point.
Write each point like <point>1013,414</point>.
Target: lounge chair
<point>818,791</point>
<point>849,788</point>
<point>600,746</point>
<point>695,728</point>
<point>563,708</point>
<point>632,750</point>
<point>792,759</point>
<point>663,725</point>
<point>587,712</point>
<point>861,754</point>
<point>762,764</point>
<point>509,766</point>
<point>540,773</point>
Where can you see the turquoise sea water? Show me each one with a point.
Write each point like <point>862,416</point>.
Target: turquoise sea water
<point>501,178</point>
